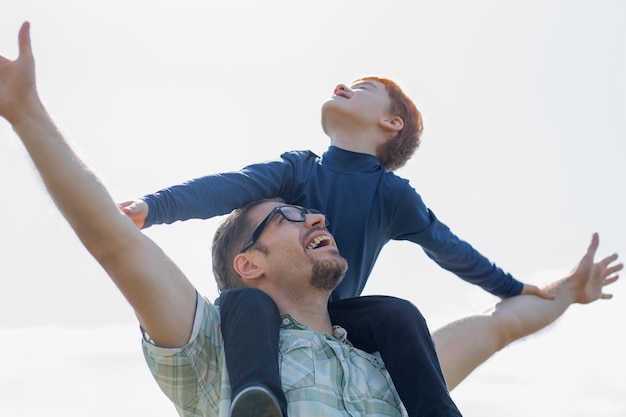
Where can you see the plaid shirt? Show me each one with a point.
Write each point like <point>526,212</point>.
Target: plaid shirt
<point>322,375</point>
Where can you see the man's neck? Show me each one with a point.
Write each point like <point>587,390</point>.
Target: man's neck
<point>312,312</point>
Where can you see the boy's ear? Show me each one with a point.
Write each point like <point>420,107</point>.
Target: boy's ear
<point>247,267</point>
<point>393,123</point>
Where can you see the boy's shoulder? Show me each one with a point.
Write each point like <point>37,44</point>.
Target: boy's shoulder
<point>302,153</point>
<point>300,157</point>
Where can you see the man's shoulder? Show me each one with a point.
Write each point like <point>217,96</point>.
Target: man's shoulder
<point>206,330</point>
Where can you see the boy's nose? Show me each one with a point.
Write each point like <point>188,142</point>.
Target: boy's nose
<point>340,87</point>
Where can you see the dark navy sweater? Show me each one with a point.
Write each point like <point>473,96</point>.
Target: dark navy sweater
<point>365,204</point>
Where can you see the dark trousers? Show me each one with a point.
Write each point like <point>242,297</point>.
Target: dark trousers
<point>250,324</point>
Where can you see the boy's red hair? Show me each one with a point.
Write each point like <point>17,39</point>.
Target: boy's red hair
<point>399,149</point>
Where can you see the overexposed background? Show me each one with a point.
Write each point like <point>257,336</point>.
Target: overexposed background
<point>523,156</point>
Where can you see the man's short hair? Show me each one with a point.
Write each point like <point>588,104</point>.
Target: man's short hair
<point>228,240</point>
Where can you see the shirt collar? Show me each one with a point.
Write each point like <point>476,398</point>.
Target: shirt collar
<point>288,322</point>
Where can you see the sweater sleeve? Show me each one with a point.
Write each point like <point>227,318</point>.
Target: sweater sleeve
<point>218,194</point>
<point>449,251</point>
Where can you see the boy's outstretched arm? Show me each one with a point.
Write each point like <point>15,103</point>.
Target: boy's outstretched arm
<point>465,344</point>
<point>162,297</point>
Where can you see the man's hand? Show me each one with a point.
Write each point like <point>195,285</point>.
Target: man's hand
<point>17,80</point>
<point>137,210</point>
<point>588,279</point>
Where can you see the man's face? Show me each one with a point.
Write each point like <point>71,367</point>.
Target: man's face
<point>363,103</point>
<point>298,247</point>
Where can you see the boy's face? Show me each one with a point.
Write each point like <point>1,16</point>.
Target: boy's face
<point>363,103</point>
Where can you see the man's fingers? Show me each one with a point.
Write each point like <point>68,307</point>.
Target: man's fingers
<point>609,259</point>
<point>613,269</point>
<point>24,40</point>
<point>593,246</point>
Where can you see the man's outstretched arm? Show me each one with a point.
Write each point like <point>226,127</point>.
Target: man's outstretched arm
<point>163,299</point>
<point>465,344</point>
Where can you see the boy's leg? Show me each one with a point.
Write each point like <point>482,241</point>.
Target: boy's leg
<point>397,330</point>
<point>250,324</point>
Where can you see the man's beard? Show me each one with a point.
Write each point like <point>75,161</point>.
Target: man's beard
<point>326,275</point>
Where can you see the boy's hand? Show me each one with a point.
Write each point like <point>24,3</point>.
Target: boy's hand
<point>534,290</point>
<point>137,210</point>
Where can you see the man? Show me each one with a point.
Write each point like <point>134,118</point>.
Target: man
<point>177,322</point>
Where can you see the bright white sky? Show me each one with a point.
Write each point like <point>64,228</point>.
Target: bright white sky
<point>523,156</point>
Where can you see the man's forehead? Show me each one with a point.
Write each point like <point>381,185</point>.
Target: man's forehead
<point>260,211</point>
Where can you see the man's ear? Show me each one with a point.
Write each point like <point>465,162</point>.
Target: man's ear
<point>392,123</point>
<point>247,267</point>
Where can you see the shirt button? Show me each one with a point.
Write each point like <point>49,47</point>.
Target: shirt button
<point>286,321</point>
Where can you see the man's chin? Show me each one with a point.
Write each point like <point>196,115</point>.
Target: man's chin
<point>327,274</point>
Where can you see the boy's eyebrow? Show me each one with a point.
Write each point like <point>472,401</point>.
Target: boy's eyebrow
<point>359,83</point>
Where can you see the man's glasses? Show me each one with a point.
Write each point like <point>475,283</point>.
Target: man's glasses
<point>289,213</point>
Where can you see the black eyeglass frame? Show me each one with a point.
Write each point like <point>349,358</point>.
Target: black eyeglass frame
<point>275,211</point>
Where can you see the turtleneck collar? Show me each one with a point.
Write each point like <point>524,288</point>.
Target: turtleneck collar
<point>347,161</point>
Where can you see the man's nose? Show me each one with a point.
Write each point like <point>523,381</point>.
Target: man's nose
<point>314,219</point>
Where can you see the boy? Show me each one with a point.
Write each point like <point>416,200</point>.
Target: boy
<point>374,129</point>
